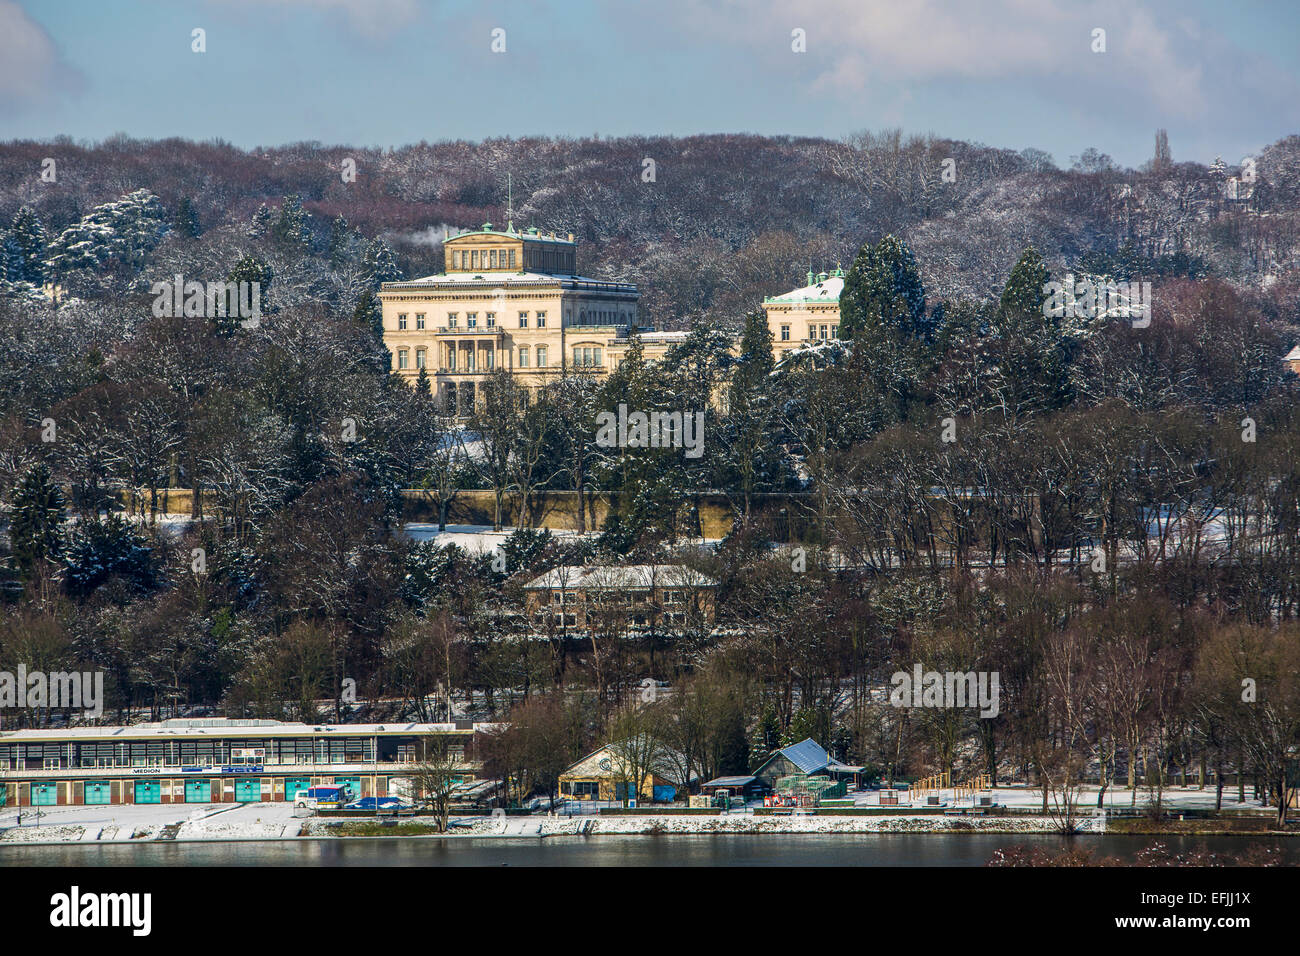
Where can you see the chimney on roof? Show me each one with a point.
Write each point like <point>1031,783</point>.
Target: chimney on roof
<point>811,277</point>
<point>570,237</point>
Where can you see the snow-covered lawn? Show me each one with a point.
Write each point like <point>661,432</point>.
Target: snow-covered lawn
<point>739,822</point>
<point>249,821</point>
<point>480,538</point>
<point>272,821</point>
<point>197,821</point>
<point>474,538</point>
<point>1174,798</point>
<point>747,823</point>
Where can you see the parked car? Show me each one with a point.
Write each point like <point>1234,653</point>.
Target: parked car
<point>376,803</point>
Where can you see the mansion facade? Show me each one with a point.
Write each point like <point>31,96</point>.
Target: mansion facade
<point>510,300</point>
<point>513,300</point>
<point>805,315</point>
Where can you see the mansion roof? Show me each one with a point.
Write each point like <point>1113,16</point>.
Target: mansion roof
<point>822,288</point>
<point>632,576</point>
<point>470,280</point>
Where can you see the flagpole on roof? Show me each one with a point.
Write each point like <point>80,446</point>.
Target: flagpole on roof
<point>510,203</point>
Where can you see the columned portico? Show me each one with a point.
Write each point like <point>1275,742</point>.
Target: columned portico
<point>509,300</point>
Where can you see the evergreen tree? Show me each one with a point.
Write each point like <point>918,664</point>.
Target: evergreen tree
<point>755,362</point>
<point>750,458</point>
<point>125,230</point>
<point>1023,293</point>
<point>883,295</point>
<point>292,229</point>
<point>422,386</point>
<point>379,264</point>
<point>27,236</point>
<point>339,241</point>
<point>11,262</point>
<point>186,222</point>
<point>249,269</point>
<point>100,550</point>
<point>138,221</point>
<point>523,547</point>
<point>651,486</point>
<point>883,314</point>
<point>807,722</point>
<point>261,223</point>
<point>36,523</point>
<point>252,269</point>
<point>1029,350</point>
<point>369,312</point>
<point>765,739</point>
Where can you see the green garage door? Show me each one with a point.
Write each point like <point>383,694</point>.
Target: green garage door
<point>148,792</point>
<point>293,784</point>
<point>98,793</point>
<point>45,794</point>
<point>248,791</point>
<point>198,791</point>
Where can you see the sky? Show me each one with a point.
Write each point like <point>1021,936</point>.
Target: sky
<point>1222,77</point>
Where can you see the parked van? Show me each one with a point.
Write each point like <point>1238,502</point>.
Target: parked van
<point>322,798</point>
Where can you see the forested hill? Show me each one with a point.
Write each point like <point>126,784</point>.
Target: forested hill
<point>719,221</point>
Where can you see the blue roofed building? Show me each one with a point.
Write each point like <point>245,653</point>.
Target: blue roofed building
<point>807,758</point>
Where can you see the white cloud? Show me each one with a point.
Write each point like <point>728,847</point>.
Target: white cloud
<point>853,45</point>
<point>1173,81</point>
<point>31,69</point>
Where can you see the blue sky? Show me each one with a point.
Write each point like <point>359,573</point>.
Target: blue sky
<point>1223,78</point>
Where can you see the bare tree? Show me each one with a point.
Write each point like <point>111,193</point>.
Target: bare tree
<point>439,768</point>
<point>636,747</point>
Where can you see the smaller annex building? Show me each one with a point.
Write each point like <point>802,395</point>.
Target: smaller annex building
<point>603,775</point>
<point>627,597</point>
<point>1292,359</point>
<point>805,315</point>
<point>806,758</point>
<point>746,786</point>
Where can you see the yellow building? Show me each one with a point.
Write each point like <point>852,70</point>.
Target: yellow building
<point>604,774</point>
<point>1292,360</point>
<point>510,300</point>
<point>805,315</point>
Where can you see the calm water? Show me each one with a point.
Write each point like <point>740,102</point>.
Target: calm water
<point>678,850</point>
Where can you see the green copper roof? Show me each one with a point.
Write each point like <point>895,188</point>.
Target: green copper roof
<point>532,233</point>
<point>825,287</point>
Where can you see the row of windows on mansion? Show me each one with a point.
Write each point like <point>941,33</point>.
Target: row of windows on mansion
<point>816,331</point>
<point>465,357</point>
<point>538,320</point>
<point>462,357</point>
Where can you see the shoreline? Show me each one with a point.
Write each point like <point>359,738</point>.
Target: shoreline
<point>541,828</point>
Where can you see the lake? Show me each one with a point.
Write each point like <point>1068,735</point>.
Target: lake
<point>805,849</point>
